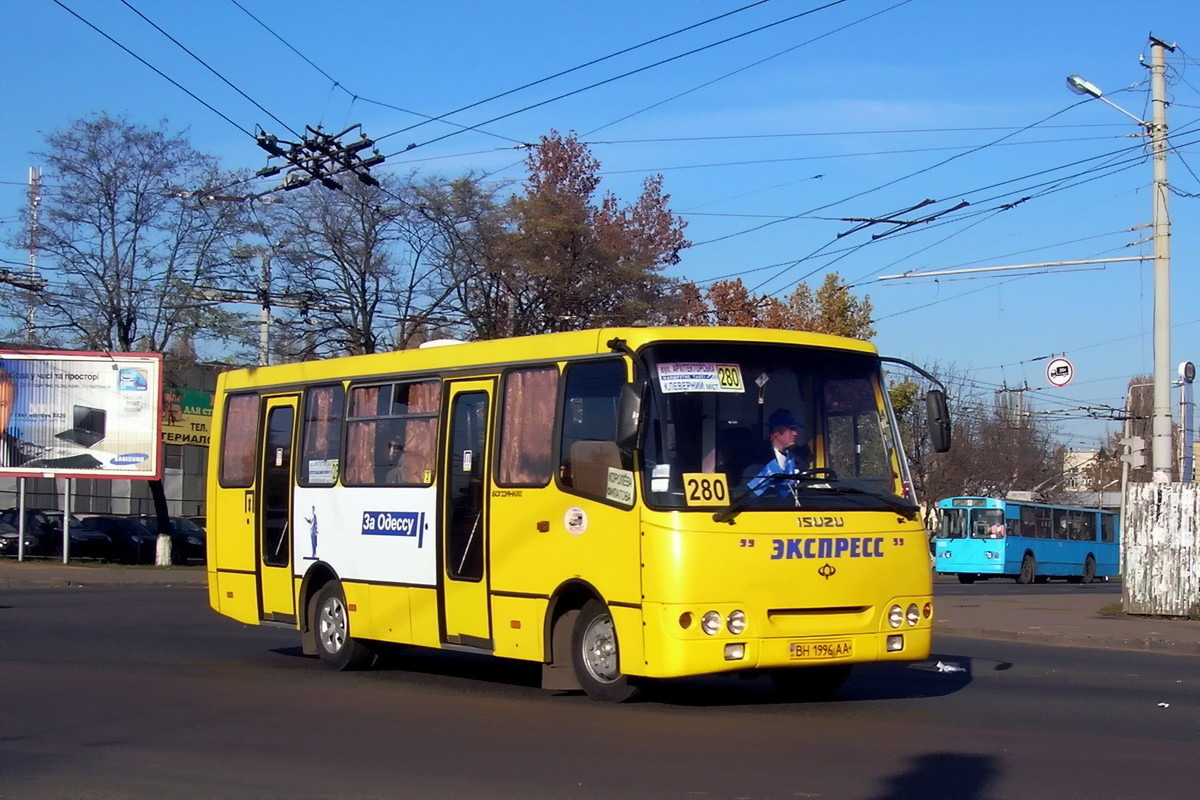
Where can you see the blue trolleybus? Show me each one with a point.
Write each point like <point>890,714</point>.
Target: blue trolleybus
<point>983,537</point>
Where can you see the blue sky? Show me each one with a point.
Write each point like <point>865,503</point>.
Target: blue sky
<point>767,143</point>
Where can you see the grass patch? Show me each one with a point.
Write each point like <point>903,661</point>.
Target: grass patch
<point>1112,610</point>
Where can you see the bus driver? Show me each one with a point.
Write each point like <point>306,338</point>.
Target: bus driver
<point>786,455</point>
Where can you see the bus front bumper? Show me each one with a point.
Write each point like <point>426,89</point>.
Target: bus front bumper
<point>672,651</point>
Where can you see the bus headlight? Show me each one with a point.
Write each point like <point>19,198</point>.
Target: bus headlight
<point>710,623</point>
<point>896,616</point>
<point>912,615</point>
<point>736,622</point>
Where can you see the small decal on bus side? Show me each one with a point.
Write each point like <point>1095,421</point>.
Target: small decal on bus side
<point>575,520</point>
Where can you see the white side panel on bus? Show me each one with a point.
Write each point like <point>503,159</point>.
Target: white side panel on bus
<point>368,533</point>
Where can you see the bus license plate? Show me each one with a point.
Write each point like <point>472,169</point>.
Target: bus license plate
<point>832,648</point>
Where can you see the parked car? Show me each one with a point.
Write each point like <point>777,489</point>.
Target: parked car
<point>132,543</point>
<point>45,527</point>
<point>187,538</point>
<point>10,542</point>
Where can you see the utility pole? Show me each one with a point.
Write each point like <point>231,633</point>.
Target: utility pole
<point>1160,443</point>
<point>35,202</point>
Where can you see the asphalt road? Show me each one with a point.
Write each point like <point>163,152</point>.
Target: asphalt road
<point>145,693</point>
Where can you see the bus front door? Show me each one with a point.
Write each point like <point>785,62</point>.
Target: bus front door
<point>276,587</point>
<point>464,530</point>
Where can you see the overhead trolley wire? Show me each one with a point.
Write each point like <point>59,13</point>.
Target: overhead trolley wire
<point>626,74</point>
<point>584,65</point>
<point>209,67</point>
<point>159,72</point>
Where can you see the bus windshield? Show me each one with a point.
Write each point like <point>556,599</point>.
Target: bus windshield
<point>954,523</point>
<point>987,523</point>
<point>759,413</point>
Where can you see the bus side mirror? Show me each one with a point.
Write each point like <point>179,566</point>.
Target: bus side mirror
<point>629,414</point>
<point>937,416</point>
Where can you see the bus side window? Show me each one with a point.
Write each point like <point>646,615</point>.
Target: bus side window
<point>391,435</point>
<point>525,457</point>
<point>588,446</point>
<point>323,411</point>
<point>239,440</point>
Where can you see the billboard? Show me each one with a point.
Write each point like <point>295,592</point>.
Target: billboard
<point>86,415</point>
<point>187,415</point>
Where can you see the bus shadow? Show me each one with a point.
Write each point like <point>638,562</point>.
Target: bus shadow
<point>941,776</point>
<point>942,674</point>
<point>867,682</point>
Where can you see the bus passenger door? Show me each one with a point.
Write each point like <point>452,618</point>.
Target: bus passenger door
<point>274,523</point>
<point>463,534</point>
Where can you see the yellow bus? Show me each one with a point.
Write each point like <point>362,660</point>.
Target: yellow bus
<point>605,502</point>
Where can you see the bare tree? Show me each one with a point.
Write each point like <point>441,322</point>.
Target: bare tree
<point>131,248</point>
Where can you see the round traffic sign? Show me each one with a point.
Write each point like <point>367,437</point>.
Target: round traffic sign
<point>1059,372</point>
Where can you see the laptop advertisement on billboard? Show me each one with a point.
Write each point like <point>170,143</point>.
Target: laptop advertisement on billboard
<point>70,414</point>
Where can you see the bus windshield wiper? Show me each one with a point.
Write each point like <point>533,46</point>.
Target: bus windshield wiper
<point>822,484</point>
<point>897,504</point>
<point>742,503</point>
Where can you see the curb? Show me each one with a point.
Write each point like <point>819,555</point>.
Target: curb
<point>1136,644</point>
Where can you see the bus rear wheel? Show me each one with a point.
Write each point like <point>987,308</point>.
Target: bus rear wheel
<point>811,683</point>
<point>965,578</point>
<point>1028,569</point>
<point>596,657</point>
<point>330,623</point>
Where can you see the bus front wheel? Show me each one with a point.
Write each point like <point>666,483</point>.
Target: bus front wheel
<point>596,657</point>
<point>331,625</point>
<point>1028,569</point>
<point>965,578</point>
<point>1089,570</point>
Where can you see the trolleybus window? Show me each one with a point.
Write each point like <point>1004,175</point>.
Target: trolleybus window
<point>239,441</point>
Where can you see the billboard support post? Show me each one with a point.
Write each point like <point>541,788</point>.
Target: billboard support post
<point>66,520</point>
<point>20,519</point>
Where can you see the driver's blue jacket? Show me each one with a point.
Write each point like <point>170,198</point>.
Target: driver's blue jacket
<point>758,484</point>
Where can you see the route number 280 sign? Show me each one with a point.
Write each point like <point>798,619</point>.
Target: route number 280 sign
<point>705,489</point>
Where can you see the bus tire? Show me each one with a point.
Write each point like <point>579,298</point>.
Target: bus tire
<point>965,578</point>
<point>330,623</point>
<point>1089,570</point>
<point>596,657</point>
<point>811,683</point>
<point>1028,569</point>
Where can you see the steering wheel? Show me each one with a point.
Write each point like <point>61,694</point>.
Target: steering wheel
<point>817,472</point>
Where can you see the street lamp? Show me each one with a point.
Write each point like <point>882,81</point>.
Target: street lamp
<point>1160,443</point>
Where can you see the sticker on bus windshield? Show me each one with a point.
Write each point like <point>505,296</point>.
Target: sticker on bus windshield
<point>679,376</point>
